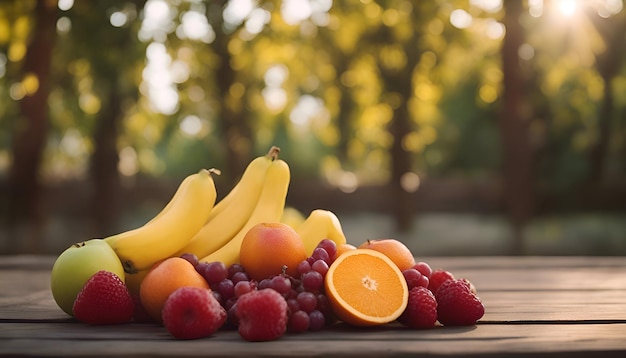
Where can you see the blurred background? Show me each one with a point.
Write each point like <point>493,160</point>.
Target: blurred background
<point>475,127</point>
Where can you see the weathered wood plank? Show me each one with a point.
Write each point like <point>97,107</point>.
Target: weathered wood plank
<point>152,340</point>
<point>578,305</point>
<point>550,306</point>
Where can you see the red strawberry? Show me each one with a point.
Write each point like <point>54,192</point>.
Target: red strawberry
<point>421,311</point>
<point>192,312</point>
<point>457,305</point>
<point>262,315</point>
<point>104,299</point>
<point>437,278</point>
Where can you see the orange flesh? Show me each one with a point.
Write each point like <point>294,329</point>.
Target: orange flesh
<point>368,288</point>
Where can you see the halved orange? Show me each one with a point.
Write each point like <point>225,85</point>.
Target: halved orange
<point>365,288</point>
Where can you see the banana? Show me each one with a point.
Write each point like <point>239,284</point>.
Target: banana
<point>268,209</point>
<point>179,193</point>
<point>231,196</point>
<point>160,238</point>
<point>320,225</point>
<point>292,217</point>
<point>133,281</point>
<point>230,218</point>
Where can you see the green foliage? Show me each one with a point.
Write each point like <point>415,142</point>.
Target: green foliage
<point>325,88</point>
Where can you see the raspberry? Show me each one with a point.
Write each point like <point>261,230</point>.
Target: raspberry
<point>262,315</point>
<point>457,305</point>
<point>437,278</point>
<point>104,299</point>
<point>421,311</point>
<point>192,312</point>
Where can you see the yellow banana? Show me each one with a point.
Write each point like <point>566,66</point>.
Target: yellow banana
<point>133,281</point>
<point>320,225</point>
<point>292,217</point>
<point>268,209</point>
<point>177,196</point>
<point>241,201</point>
<point>162,237</point>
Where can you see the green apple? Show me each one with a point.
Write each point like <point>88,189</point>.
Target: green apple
<point>76,265</point>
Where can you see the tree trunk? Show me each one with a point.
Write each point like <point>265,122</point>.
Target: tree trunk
<point>104,163</point>
<point>25,216</point>
<point>401,163</point>
<point>608,65</point>
<point>236,131</point>
<point>399,82</point>
<point>514,130</point>
<point>346,110</point>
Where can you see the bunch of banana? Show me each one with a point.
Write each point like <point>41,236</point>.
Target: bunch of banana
<point>320,225</point>
<point>192,221</point>
<point>267,208</point>
<point>232,212</point>
<point>172,228</point>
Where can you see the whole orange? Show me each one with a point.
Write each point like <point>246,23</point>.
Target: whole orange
<point>343,248</point>
<point>394,249</point>
<point>267,247</point>
<point>163,279</point>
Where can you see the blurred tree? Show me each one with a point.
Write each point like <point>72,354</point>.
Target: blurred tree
<point>608,63</point>
<point>113,65</point>
<point>399,46</point>
<point>237,136</point>
<point>384,93</point>
<point>517,161</point>
<point>30,129</point>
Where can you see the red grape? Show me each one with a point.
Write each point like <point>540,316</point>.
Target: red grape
<point>316,320</point>
<point>293,305</point>
<point>307,301</point>
<point>331,248</point>
<point>264,283</point>
<point>226,288</point>
<point>213,272</point>
<point>234,268</point>
<point>320,266</point>
<point>243,287</point>
<point>304,267</point>
<point>298,322</point>
<point>322,304</point>
<point>240,276</point>
<point>320,254</point>
<point>231,309</point>
<point>412,277</point>
<point>281,284</point>
<point>193,259</point>
<point>423,281</point>
<point>312,281</point>
<point>423,268</point>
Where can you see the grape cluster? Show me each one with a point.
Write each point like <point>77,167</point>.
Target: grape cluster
<point>418,275</point>
<point>309,309</point>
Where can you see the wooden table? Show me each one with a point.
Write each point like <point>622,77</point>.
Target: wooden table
<point>535,306</point>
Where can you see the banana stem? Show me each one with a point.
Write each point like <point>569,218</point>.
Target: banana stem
<point>212,171</point>
<point>273,152</point>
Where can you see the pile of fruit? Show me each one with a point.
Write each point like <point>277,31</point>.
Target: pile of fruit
<point>202,265</point>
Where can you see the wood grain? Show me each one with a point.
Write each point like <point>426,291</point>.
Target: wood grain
<point>535,306</point>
